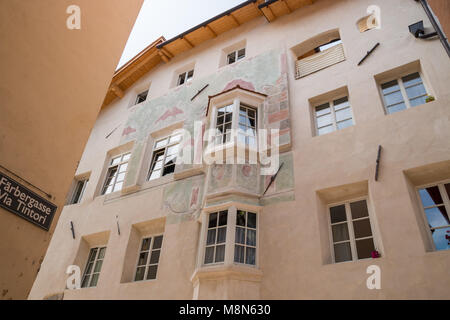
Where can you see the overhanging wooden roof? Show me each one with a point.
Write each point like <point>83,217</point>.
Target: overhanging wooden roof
<point>162,50</point>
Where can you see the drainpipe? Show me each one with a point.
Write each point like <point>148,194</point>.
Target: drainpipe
<point>435,25</point>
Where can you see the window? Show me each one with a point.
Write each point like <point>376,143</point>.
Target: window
<point>78,191</point>
<point>165,153</point>
<point>93,267</point>
<point>405,92</point>
<point>116,173</point>
<point>436,206</point>
<point>333,115</point>
<point>148,260</point>
<point>235,56</point>
<point>351,231</point>
<point>328,45</point>
<point>141,97</point>
<point>245,240</point>
<point>185,77</point>
<point>224,124</point>
<point>216,237</point>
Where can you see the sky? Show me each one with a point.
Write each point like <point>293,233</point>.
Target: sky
<point>169,18</point>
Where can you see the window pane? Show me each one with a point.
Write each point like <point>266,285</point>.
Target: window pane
<point>139,274</point>
<point>251,223</point>
<point>190,74</point>
<point>175,138</point>
<point>118,186</point>
<point>212,220</point>
<point>126,157</point>
<point>239,254</point>
<point>415,91</point>
<point>120,177</point>
<point>251,237</point>
<point>441,238</point>
<point>211,237</point>
<point>365,248</point>
<point>220,253</point>
<point>343,114</point>
<point>390,86</point>
<point>85,282</point>
<point>344,124</point>
<point>108,190</point>
<point>393,98</point>
<point>240,218</point>
<point>447,188</point>
<point>228,117</point>
<point>209,254</point>
<point>231,57</point>
<point>157,242</point>
<point>338,214</point>
<point>342,252</point>
<point>145,244</point>
<point>251,256</point>
<point>340,103</point>
<point>123,167</point>
<point>430,196</point>
<point>155,174</point>
<point>142,259</point>
<point>411,79</point>
<point>325,130</point>
<point>220,119</point>
<point>240,235</point>
<point>221,235</point>
<point>98,266</point>
<point>418,101</point>
<point>92,254</point>
<point>359,209</point>
<point>173,150</point>
<point>89,268</point>
<point>241,54</point>
<point>94,280</point>
<point>101,253</point>
<point>251,113</point>
<point>340,232</point>
<point>323,109</point>
<point>111,173</point>
<point>437,216</point>
<point>324,120</point>
<point>396,108</point>
<point>151,274</point>
<point>115,160</point>
<point>362,228</point>
<point>161,143</point>
<point>223,218</point>
<point>154,258</point>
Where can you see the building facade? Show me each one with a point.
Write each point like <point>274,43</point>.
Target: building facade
<point>359,152</point>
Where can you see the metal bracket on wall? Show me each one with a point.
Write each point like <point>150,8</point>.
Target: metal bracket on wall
<point>117,222</point>
<point>272,178</point>
<point>199,91</point>
<point>72,228</point>
<point>378,163</point>
<point>368,53</point>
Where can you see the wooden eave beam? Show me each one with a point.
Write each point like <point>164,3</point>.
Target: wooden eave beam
<point>268,13</point>
<point>116,90</point>
<point>121,76</point>
<point>234,19</point>
<point>167,53</point>
<point>190,45</point>
<point>287,6</point>
<point>207,27</point>
<point>163,56</point>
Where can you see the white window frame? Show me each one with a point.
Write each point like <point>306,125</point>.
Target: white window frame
<point>235,53</point>
<point>94,263</point>
<point>168,145</point>
<point>186,78</point>
<point>215,244</point>
<point>85,181</point>
<point>245,245</point>
<point>445,199</point>
<point>114,179</point>
<point>351,232</point>
<point>405,97</point>
<point>230,240</point>
<point>333,114</point>
<point>147,263</point>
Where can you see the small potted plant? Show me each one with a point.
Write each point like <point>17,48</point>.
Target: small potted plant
<point>429,98</point>
<point>375,254</point>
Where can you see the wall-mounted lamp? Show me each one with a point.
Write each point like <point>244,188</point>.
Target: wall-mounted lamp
<point>418,31</point>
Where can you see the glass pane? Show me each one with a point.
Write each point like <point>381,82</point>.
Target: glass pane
<point>418,101</point>
<point>155,174</point>
<point>324,120</point>
<point>228,117</point>
<point>251,256</point>
<point>437,217</point>
<point>325,130</point>
<point>101,253</point>
<point>447,188</point>
<point>98,266</point>
<point>175,138</point>
<point>85,282</point>
<point>212,220</point>
<point>240,235</point>
<point>181,78</point>
<point>342,252</point>
<point>323,109</point>
<point>340,232</point>
<point>241,54</point>
<point>170,160</point>
<point>220,253</point>
<point>145,244</point>
<point>123,167</point>
<point>151,274</point>
<point>139,274</point>
<point>343,114</point>
<point>209,255</point>
<point>142,259</point>
<point>223,218</point>
<point>89,268</point>
<point>430,196</point>
<point>415,91</point>
<point>221,235</point>
<point>118,186</point>
<point>108,190</point>
<point>240,218</point>
<point>220,119</point>
<point>359,209</point>
<point>251,223</point>
<point>393,98</point>
<point>169,169</point>
<point>251,113</point>
<point>94,280</point>
<point>337,214</point>
<point>154,258</point>
<point>211,237</point>
<point>190,74</point>
<point>362,228</point>
<point>251,237</point>
<point>441,238</point>
<point>173,150</point>
<point>390,86</point>
<point>340,103</point>
<point>115,160</point>
<point>92,254</point>
<point>396,108</point>
<point>231,58</point>
<point>344,124</point>
<point>161,143</point>
<point>157,242</point>
<point>365,248</point>
<point>120,177</point>
<point>411,79</point>
<point>126,157</point>
<point>239,254</point>
<point>229,108</point>
<point>111,173</point>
